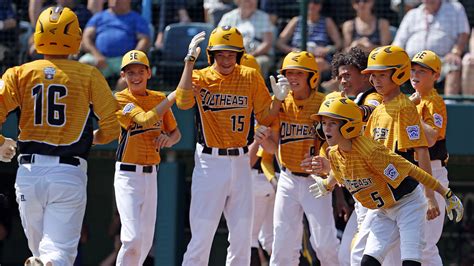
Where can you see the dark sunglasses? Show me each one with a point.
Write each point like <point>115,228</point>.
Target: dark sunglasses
<point>362,1</point>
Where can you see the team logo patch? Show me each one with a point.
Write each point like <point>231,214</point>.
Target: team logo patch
<point>413,132</point>
<point>391,172</point>
<point>373,102</point>
<point>128,108</point>
<point>2,85</point>
<point>438,120</point>
<point>49,73</point>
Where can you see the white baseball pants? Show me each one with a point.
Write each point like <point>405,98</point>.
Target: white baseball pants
<point>136,196</point>
<point>263,212</point>
<point>220,184</point>
<point>292,200</point>
<point>433,229</point>
<point>404,222</point>
<point>52,201</point>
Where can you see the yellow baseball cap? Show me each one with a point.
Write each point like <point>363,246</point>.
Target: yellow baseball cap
<point>428,59</point>
<point>135,57</point>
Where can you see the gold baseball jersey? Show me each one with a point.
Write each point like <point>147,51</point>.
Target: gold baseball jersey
<point>432,110</point>
<point>297,131</point>
<point>137,141</point>
<point>57,100</point>
<point>372,172</point>
<point>396,124</point>
<point>226,105</point>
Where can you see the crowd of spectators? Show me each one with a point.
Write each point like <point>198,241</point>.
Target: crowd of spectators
<point>271,29</point>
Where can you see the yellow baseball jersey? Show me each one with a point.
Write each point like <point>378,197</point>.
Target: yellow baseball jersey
<point>432,110</point>
<point>297,131</point>
<point>57,100</point>
<point>396,124</point>
<point>136,142</point>
<point>226,105</point>
<point>372,173</point>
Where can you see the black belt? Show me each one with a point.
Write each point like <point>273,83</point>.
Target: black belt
<point>25,159</point>
<point>295,173</point>
<point>230,152</point>
<point>133,168</point>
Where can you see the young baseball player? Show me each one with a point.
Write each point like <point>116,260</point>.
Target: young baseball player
<point>425,70</point>
<point>147,126</point>
<point>297,138</point>
<point>262,154</point>
<point>396,124</point>
<point>372,173</point>
<point>58,99</point>
<point>346,68</point>
<point>228,97</point>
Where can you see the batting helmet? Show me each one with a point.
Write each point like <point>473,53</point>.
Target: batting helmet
<point>250,61</point>
<point>428,59</point>
<point>305,61</point>
<point>57,32</point>
<point>390,57</point>
<point>134,57</point>
<point>225,38</point>
<point>343,109</point>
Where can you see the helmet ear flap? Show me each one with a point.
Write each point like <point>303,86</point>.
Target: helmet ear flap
<point>401,74</point>
<point>313,79</point>
<point>351,129</point>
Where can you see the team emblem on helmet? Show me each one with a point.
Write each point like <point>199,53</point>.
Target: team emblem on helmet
<point>305,61</point>
<point>428,59</point>
<point>390,57</point>
<point>57,32</point>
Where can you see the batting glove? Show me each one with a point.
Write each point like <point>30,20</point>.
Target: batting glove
<point>319,188</point>
<point>280,89</point>
<point>7,150</point>
<point>194,50</point>
<point>453,203</point>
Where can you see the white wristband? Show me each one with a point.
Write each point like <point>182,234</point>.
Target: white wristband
<point>2,24</point>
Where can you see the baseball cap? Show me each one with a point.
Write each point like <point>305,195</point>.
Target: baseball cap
<point>428,59</point>
<point>134,57</point>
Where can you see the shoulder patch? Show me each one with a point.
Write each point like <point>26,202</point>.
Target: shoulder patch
<point>391,172</point>
<point>438,119</point>
<point>413,132</point>
<point>128,108</point>
<point>2,85</point>
<point>373,102</point>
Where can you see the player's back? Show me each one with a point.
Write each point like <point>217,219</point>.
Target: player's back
<point>55,102</point>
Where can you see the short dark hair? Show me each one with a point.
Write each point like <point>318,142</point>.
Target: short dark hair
<point>355,57</point>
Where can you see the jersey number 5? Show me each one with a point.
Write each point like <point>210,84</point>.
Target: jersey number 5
<point>376,197</point>
<point>56,112</point>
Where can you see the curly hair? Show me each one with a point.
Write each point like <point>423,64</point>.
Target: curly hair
<point>355,57</point>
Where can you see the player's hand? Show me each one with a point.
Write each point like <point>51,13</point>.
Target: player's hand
<point>162,141</point>
<point>433,208</point>
<point>316,165</point>
<point>415,98</point>
<point>194,50</point>
<point>7,150</point>
<point>453,203</point>
<point>262,133</point>
<point>280,88</point>
<point>319,188</point>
